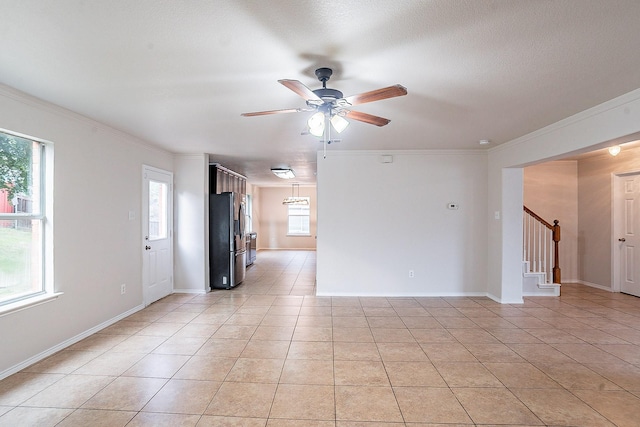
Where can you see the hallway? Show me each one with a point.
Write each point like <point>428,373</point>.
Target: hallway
<point>269,353</point>
<point>281,273</point>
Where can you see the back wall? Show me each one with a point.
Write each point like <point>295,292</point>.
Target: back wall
<point>273,219</point>
<point>379,221</point>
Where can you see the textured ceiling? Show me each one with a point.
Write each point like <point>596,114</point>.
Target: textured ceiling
<point>179,73</point>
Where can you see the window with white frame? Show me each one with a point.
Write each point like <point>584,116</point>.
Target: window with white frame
<point>299,219</point>
<point>22,218</point>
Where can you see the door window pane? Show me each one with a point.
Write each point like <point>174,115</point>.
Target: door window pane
<point>158,215</point>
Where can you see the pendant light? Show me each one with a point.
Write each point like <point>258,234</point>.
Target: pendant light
<point>295,200</point>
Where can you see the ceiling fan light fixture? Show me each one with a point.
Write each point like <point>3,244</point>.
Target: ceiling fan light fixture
<point>339,123</point>
<point>331,105</point>
<point>283,173</point>
<point>316,120</point>
<point>317,131</point>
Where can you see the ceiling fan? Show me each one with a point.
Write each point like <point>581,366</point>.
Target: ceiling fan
<point>331,106</point>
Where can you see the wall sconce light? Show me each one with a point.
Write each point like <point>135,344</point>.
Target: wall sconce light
<point>614,150</point>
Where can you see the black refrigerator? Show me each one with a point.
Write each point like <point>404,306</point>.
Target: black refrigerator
<point>227,249</point>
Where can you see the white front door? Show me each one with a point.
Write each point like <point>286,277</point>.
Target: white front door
<point>628,237</point>
<point>157,230</point>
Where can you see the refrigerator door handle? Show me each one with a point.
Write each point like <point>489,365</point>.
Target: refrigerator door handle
<point>241,221</point>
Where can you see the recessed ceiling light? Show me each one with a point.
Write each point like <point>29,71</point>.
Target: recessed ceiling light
<point>483,141</point>
<point>614,150</point>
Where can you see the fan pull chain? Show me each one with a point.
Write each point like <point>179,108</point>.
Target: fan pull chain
<point>327,132</point>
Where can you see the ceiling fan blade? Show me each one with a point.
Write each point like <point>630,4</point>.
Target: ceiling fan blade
<point>264,113</point>
<point>377,95</point>
<point>367,118</point>
<point>300,89</point>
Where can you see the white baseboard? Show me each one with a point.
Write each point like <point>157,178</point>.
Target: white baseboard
<point>189,291</point>
<point>286,249</point>
<point>402,295</point>
<point>593,285</point>
<point>501,301</point>
<point>426,295</point>
<point>56,348</point>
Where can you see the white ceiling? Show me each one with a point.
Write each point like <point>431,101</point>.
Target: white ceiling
<point>179,73</point>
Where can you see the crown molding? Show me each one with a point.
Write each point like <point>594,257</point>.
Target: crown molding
<point>618,102</point>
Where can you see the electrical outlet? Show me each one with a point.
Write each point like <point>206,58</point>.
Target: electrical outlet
<point>411,274</point>
<point>123,289</point>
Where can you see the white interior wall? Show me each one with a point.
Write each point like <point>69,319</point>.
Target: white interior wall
<point>511,235</point>
<point>191,195</point>
<point>377,221</point>
<point>97,182</point>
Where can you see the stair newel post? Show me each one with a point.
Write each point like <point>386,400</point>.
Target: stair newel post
<point>556,254</point>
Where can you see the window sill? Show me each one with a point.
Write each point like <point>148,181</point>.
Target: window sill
<point>298,235</point>
<point>28,303</point>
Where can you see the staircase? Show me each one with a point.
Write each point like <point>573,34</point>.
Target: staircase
<point>535,283</point>
<point>541,263</point>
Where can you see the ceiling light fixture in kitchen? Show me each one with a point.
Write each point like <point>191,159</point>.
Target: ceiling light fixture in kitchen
<point>284,173</point>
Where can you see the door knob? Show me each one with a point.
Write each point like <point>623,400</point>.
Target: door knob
<point>147,248</point>
<point>622,240</point>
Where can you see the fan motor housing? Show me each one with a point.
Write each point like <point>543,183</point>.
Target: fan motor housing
<point>328,94</point>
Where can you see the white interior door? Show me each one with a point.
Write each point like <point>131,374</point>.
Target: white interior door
<point>628,239</point>
<point>157,229</point>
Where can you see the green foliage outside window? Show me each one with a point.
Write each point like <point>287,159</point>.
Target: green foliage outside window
<point>15,165</point>
<point>21,243</point>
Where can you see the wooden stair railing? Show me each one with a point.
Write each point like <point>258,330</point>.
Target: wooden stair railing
<point>541,245</point>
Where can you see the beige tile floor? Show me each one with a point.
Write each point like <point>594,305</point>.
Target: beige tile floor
<point>269,353</point>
